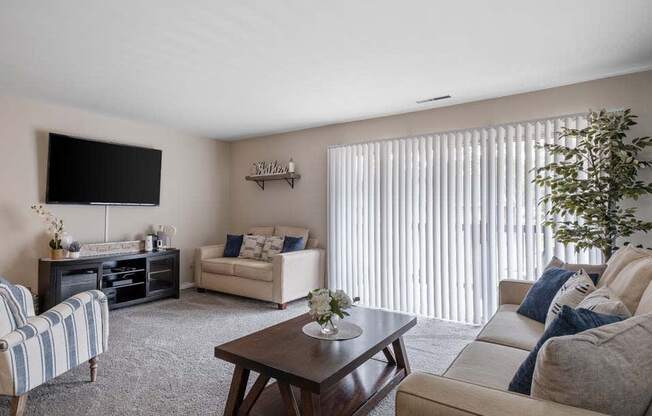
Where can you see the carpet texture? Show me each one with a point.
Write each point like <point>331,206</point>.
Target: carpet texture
<point>160,359</point>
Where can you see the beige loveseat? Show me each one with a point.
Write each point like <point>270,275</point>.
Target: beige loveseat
<point>476,382</point>
<point>288,277</point>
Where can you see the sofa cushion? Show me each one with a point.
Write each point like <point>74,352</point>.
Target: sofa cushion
<point>291,244</point>
<point>273,245</point>
<point>283,230</point>
<point>645,305</point>
<point>486,364</point>
<point>252,246</point>
<point>312,243</point>
<point>619,260</point>
<point>233,244</point>
<point>567,322</point>
<point>220,265</point>
<point>261,230</point>
<point>632,281</point>
<point>570,294</point>
<point>604,300</point>
<point>606,369</point>
<point>509,328</point>
<point>253,269</point>
<point>538,298</point>
<point>595,271</point>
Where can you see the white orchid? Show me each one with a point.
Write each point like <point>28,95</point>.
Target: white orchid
<point>54,223</point>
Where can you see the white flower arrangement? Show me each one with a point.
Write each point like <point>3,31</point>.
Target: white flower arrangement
<point>325,304</point>
<point>54,223</point>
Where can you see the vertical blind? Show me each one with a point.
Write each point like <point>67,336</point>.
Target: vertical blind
<point>430,224</point>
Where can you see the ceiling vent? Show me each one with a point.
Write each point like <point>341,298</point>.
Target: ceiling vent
<point>429,100</point>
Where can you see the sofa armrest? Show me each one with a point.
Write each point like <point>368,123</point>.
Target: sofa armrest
<point>206,252</point>
<point>428,395</point>
<point>296,273</point>
<point>512,291</point>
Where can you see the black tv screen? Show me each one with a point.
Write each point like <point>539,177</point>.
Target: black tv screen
<point>82,171</point>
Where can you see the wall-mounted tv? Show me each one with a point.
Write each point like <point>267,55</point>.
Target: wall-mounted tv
<point>82,171</point>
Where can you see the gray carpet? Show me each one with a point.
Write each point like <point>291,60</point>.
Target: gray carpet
<point>160,359</point>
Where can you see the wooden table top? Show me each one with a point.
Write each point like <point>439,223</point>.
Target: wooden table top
<point>284,352</point>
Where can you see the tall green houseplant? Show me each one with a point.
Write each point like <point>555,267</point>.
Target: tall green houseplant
<point>589,181</point>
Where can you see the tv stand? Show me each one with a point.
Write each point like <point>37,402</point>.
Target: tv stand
<point>126,279</point>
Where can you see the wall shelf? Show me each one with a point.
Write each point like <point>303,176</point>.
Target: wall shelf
<point>261,179</point>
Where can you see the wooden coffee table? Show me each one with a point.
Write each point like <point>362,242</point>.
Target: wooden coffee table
<point>319,377</point>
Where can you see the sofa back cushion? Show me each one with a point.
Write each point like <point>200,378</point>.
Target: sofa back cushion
<point>606,369</point>
<point>632,281</point>
<point>283,230</point>
<point>645,304</point>
<point>619,260</point>
<point>261,230</point>
<point>312,243</point>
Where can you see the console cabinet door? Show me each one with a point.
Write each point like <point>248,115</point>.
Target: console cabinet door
<point>162,274</point>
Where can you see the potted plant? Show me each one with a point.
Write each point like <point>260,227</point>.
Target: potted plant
<point>74,249</point>
<point>326,307</point>
<point>55,230</point>
<point>588,182</point>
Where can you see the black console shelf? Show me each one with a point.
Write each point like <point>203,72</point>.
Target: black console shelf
<point>145,276</point>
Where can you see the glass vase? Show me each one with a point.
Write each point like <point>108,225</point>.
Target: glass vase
<point>329,327</point>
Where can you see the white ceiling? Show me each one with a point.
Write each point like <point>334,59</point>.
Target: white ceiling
<point>241,68</point>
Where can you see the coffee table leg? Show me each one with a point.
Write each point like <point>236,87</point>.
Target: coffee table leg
<point>237,390</point>
<point>288,399</point>
<point>401,355</point>
<point>310,403</point>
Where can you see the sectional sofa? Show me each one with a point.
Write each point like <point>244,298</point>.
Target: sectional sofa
<point>476,383</point>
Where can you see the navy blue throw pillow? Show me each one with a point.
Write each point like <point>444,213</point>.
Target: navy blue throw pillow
<point>568,322</point>
<point>232,246</point>
<point>539,297</point>
<point>291,244</point>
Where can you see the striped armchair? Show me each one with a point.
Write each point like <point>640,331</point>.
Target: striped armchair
<point>35,349</point>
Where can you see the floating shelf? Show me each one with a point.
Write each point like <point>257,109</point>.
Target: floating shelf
<point>261,179</point>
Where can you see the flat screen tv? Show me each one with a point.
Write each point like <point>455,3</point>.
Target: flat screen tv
<point>82,171</point>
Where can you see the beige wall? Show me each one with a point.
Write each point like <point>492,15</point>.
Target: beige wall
<point>194,185</point>
<point>306,204</point>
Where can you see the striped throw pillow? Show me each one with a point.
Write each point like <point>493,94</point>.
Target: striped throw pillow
<point>571,293</point>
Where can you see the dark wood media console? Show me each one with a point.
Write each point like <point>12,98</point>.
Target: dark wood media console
<point>126,279</point>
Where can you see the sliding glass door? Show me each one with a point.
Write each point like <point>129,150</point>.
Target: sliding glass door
<point>430,224</point>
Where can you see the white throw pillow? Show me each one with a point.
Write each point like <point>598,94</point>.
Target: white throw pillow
<point>571,294</point>
<point>605,301</point>
<point>252,247</point>
<point>273,245</point>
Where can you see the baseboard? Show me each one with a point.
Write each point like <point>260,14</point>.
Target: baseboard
<point>187,285</point>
